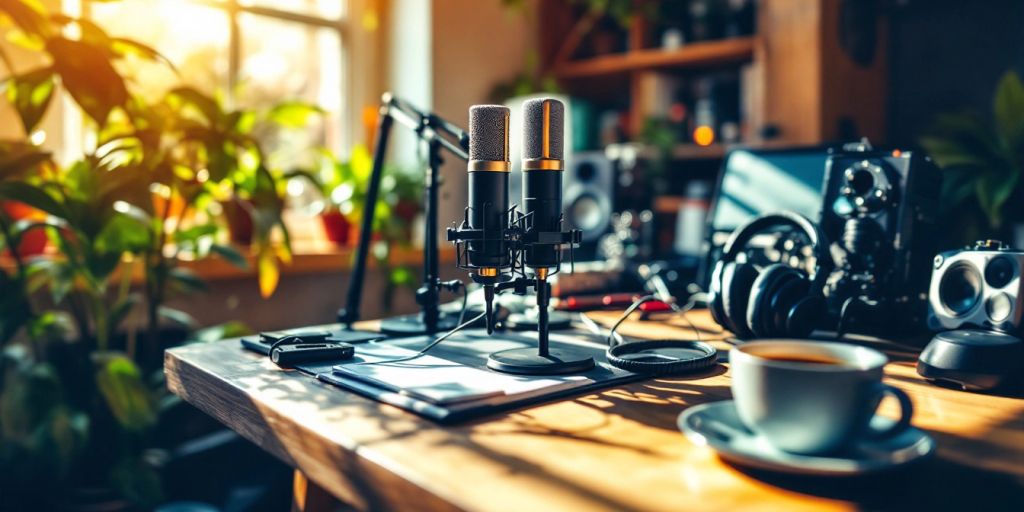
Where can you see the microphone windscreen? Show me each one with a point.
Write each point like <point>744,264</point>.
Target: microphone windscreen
<point>488,133</point>
<point>543,121</point>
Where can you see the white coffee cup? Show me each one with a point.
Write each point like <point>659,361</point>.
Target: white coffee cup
<point>812,397</point>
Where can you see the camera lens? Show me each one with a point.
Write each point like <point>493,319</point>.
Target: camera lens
<point>999,272</point>
<point>862,182</point>
<point>960,289</point>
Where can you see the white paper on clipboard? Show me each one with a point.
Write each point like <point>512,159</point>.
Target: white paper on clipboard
<point>444,382</point>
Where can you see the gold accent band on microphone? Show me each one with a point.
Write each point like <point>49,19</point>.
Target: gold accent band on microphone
<point>546,130</point>
<point>487,272</point>
<point>490,165</point>
<point>542,164</point>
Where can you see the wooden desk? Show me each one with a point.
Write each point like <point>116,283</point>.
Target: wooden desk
<point>618,449</point>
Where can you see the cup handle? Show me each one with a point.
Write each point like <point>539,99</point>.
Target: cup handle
<point>906,411</point>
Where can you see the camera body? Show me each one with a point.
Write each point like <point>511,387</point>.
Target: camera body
<point>880,211</point>
<point>977,287</point>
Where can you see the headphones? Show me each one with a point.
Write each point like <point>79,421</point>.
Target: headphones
<point>777,300</point>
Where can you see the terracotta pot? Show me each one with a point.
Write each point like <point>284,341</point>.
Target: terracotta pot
<point>239,215</point>
<point>34,241</point>
<point>337,228</point>
<point>407,210</point>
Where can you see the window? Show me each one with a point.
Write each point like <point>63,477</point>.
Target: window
<point>254,53</point>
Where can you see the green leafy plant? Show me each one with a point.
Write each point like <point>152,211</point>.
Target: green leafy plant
<point>79,395</point>
<point>213,154</point>
<point>72,408</point>
<point>17,161</point>
<point>983,163</point>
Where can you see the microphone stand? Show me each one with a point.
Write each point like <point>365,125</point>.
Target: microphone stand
<point>439,135</point>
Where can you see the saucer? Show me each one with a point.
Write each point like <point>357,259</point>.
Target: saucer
<point>718,425</point>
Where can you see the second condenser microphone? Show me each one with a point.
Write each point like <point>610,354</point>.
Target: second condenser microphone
<point>543,134</point>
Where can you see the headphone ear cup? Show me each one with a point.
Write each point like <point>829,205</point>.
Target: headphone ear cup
<point>784,301</point>
<point>715,294</point>
<point>759,308</point>
<point>805,315</point>
<point>737,279</point>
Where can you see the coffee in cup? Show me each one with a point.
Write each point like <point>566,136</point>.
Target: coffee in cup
<point>812,397</point>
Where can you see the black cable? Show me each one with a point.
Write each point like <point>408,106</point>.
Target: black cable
<point>614,338</point>
<point>430,346</point>
<point>644,357</point>
<point>291,339</point>
<point>629,311</point>
<point>465,302</point>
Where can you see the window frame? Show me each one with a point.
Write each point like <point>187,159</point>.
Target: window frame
<point>353,41</point>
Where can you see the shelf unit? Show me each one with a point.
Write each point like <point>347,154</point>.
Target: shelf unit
<point>697,55</point>
<point>796,79</point>
<point>803,83</point>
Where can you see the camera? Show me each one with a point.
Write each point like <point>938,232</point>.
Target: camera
<point>978,287</point>
<point>880,210</point>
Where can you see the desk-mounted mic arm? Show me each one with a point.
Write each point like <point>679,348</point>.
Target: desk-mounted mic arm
<point>439,134</point>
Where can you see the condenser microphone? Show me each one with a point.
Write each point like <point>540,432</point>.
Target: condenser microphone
<point>543,149</point>
<point>488,209</point>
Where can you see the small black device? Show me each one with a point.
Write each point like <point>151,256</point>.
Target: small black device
<point>288,355</point>
<point>978,287</point>
<point>268,339</point>
<point>971,359</point>
<point>880,209</point>
<point>271,337</point>
<point>775,300</point>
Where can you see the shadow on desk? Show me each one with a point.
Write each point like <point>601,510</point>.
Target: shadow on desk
<point>656,404</point>
<point>933,484</point>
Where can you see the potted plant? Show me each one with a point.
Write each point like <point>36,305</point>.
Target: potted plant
<point>341,184</point>
<point>238,175</point>
<point>982,162</point>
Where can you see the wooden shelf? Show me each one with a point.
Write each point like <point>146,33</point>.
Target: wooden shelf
<point>695,152</point>
<point>695,55</point>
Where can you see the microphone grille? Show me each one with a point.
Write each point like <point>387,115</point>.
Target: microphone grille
<point>488,133</point>
<point>543,129</point>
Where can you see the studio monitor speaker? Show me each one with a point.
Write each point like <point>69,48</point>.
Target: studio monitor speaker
<point>587,194</point>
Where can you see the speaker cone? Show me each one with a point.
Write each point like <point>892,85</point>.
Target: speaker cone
<point>960,289</point>
<point>999,272</point>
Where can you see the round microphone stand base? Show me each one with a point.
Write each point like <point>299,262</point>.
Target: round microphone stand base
<point>527,361</point>
<point>529,320</point>
<point>412,325</point>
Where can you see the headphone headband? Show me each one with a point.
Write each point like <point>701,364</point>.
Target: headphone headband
<point>739,238</point>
